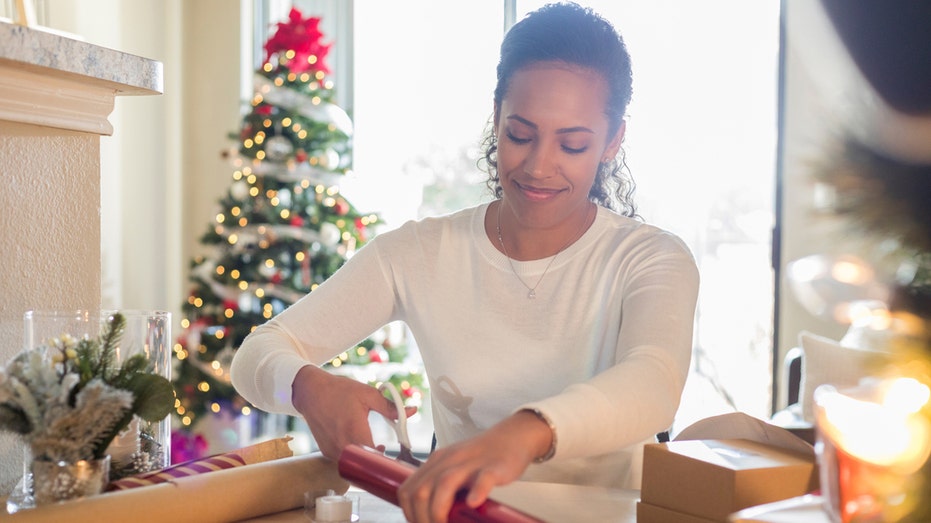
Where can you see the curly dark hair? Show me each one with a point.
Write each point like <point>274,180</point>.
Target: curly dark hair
<point>570,33</point>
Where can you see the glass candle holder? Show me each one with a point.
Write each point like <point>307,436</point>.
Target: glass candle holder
<point>871,441</point>
<point>59,481</point>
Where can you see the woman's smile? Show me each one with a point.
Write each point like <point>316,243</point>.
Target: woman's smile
<point>535,193</point>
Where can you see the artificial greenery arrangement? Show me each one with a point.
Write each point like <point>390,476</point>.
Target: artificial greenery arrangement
<point>70,398</point>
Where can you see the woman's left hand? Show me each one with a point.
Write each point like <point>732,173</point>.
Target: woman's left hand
<point>498,456</point>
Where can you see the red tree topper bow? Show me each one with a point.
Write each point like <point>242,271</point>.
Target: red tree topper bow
<point>301,35</point>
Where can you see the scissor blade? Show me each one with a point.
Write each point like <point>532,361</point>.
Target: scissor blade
<point>408,457</point>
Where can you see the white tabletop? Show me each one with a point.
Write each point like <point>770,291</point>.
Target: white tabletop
<point>557,503</point>
<point>546,501</point>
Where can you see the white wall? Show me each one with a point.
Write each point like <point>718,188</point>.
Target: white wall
<point>821,91</point>
<point>808,120</point>
<point>210,111</point>
<point>161,171</point>
<point>140,161</point>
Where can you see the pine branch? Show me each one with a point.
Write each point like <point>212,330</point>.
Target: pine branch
<point>109,340</point>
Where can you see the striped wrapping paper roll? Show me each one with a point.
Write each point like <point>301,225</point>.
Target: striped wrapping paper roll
<point>189,468</point>
<point>258,453</point>
<point>381,476</point>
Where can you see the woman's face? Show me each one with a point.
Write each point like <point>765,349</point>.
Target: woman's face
<point>552,134</point>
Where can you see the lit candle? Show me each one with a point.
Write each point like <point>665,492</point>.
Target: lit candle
<point>886,431</point>
<point>871,440</point>
<point>333,509</point>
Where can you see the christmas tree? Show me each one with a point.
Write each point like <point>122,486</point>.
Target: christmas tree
<point>282,228</point>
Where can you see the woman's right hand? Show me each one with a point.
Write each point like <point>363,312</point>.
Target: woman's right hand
<point>337,408</point>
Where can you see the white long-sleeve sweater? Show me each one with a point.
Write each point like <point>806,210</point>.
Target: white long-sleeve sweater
<point>603,351</point>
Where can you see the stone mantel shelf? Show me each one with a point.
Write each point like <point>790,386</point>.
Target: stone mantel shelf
<point>51,80</point>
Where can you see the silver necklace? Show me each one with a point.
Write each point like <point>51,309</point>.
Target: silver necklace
<point>532,291</point>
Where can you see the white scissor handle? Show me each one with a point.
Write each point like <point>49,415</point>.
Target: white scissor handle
<point>400,426</point>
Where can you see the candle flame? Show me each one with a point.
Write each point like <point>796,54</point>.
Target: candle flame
<point>888,430</point>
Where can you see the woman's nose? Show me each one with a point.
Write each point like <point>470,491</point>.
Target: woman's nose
<point>537,161</point>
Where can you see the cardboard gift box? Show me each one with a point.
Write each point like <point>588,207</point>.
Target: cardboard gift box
<point>647,513</point>
<point>714,478</point>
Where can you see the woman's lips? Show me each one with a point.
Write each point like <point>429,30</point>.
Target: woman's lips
<point>537,194</point>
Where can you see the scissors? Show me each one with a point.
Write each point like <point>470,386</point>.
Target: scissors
<point>400,425</point>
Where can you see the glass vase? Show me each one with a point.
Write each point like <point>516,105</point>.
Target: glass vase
<point>144,446</point>
<point>54,482</point>
<point>40,327</point>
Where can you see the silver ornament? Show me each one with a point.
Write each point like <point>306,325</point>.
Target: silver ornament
<point>328,159</point>
<point>239,190</point>
<point>329,234</point>
<point>278,148</point>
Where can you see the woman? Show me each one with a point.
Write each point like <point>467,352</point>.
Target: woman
<point>555,333</point>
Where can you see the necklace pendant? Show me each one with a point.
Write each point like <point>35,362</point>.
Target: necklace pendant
<point>532,295</point>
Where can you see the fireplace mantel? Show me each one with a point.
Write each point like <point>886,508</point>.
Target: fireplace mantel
<point>56,81</point>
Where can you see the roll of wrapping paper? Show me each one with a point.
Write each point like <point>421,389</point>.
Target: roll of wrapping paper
<point>381,476</point>
<point>232,494</point>
<point>257,453</point>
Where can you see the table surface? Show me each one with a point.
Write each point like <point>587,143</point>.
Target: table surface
<point>558,502</point>
<point>546,501</point>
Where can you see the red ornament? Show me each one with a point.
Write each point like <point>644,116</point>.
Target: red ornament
<point>296,221</point>
<point>360,228</point>
<point>341,207</point>
<point>375,357</point>
<point>302,36</point>
<point>230,304</point>
<point>300,155</point>
<point>264,110</point>
<point>276,278</point>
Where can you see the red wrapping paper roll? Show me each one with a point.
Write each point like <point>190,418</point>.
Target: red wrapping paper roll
<point>382,476</point>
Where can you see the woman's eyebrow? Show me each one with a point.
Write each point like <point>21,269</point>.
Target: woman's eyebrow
<point>564,130</point>
<point>522,120</point>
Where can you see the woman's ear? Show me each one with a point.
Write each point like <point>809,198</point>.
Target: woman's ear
<point>615,144</point>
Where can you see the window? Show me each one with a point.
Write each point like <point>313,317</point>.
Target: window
<point>424,77</point>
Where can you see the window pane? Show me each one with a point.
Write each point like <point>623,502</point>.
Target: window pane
<point>424,77</point>
<point>701,144</point>
<point>423,86</point>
